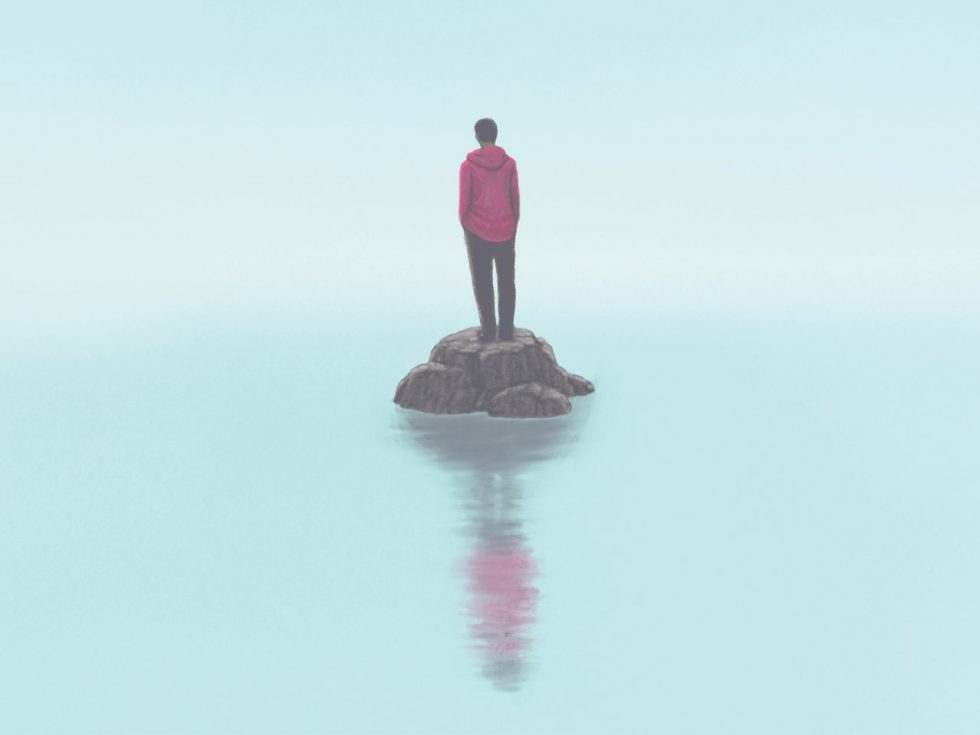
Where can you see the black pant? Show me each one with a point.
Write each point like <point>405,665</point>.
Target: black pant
<point>482,254</point>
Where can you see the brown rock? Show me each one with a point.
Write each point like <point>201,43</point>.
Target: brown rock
<point>518,378</point>
<point>529,400</point>
<point>580,386</point>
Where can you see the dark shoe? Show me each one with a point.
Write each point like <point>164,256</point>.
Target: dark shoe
<point>505,336</point>
<point>485,339</point>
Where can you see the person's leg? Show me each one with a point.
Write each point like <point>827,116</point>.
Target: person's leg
<point>481,271</point>
<point>506,287</point>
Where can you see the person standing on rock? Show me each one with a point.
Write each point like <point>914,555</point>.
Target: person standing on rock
<point>489,208</point>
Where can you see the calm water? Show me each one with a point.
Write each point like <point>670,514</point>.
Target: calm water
<point>754,525</point>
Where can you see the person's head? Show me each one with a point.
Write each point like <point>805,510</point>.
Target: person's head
<point>486,131</point>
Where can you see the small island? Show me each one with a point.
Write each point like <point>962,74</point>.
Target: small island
<point>517,378</point>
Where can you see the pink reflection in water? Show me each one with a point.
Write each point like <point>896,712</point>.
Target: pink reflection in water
<point>502,597</point>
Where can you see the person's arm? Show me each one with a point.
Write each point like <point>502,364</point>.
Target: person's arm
<point>515,194</point>
<point>464,191</point>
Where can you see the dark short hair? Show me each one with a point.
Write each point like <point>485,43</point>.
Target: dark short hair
<point>486,130</point>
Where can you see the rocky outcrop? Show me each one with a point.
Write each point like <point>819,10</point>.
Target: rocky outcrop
<point>514,379</point>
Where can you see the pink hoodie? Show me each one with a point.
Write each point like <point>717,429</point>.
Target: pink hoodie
<point>489,199</point>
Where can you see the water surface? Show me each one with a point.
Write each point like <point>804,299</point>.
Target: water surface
<point>754,525</point>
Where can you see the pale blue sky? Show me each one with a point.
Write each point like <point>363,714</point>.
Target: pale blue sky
<point>759,156</point>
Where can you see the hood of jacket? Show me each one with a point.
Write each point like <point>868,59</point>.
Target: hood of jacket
<point>491,158</point>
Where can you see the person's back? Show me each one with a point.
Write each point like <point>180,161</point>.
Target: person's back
<point>489,209</point>
<point>489,193</point>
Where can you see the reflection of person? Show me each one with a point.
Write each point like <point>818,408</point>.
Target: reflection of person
<point>501,568</point>
<point>489,468</point>
<point>489,208</point>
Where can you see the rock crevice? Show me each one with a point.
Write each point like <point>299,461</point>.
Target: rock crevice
<point>513,379</point>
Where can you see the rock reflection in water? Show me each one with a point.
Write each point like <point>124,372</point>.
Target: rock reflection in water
<point>488,460</point>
